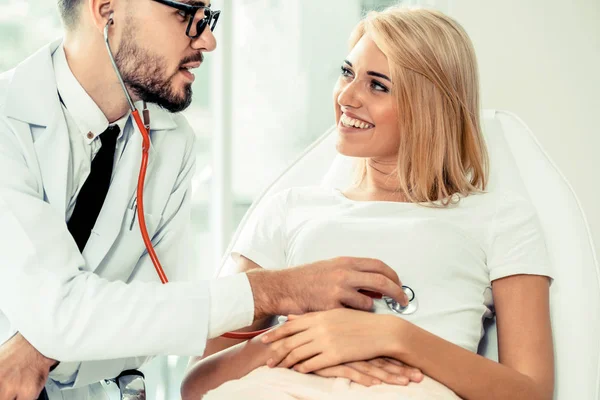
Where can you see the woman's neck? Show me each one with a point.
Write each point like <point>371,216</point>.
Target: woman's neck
<point>380,183</point>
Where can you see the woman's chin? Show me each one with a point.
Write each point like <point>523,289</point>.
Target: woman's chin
<point>350,149</point>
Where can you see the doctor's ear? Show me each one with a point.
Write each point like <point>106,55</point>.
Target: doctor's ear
<point>101,12</point>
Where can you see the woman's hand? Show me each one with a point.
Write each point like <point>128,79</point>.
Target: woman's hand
<point>325,339</point>
<point>374,372</point>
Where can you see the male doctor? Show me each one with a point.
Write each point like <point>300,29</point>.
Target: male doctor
<point>79,298</point>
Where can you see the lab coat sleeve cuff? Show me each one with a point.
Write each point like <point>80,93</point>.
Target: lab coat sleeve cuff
<point>231,304</point>
<point>65,374</point>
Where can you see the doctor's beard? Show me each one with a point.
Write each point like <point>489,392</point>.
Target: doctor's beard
<point>145,74</point>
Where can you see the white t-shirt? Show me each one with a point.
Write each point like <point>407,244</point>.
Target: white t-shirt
<point>449,257</point>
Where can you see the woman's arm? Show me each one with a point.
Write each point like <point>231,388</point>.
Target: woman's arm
<point>525,346</point>
<point>526,367</point>
<point>208,373</point>
<point>212,369</point>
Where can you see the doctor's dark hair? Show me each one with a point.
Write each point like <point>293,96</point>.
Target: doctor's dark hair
<point>442,151</point>
<point>69,10</point>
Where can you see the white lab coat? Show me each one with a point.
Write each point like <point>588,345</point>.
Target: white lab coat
<point>77,308</point>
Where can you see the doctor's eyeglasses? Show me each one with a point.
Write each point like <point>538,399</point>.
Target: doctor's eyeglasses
<point>196,23</point>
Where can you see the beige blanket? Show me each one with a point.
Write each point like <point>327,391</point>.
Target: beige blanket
<point>284,384</point>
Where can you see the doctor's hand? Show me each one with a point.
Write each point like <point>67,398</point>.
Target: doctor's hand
<point>323,285</point>
<point>23,370</point>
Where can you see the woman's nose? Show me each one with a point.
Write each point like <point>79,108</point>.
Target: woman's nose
<point>348,96</point>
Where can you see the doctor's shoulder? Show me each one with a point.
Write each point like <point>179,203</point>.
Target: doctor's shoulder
<point>5,78</point>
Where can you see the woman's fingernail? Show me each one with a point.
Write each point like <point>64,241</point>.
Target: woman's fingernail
<point>403,380</point>
<point>376,382</point>
<point>270,362</point>
<point>265,339</point>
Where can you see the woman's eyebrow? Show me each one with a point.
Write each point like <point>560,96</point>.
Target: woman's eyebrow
<point>377,74</point>
<point>372,73</point>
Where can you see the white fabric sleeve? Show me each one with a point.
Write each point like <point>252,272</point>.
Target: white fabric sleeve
<point>516,240</point>
<point>231,304</point>
<point>262,238</point>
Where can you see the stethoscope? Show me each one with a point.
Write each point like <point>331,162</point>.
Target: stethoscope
<point>393,305</point>
<point>144,128</point>
<point>410,308</point>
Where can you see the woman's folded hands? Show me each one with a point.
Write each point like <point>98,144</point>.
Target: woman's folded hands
<point>341,343</point>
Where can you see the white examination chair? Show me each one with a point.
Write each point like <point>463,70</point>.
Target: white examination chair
<point>519,163</point>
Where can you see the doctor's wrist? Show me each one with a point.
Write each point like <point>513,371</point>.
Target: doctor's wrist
<point>269,293</point>
<point>22,346</point>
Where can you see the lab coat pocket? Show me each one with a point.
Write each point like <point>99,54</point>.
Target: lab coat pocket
<point>127,247</point>
<point>130,238</point>
<point>132,223</point>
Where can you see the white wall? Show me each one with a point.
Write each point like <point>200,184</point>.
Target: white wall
<point>541,60</point>
<point>286,59</point>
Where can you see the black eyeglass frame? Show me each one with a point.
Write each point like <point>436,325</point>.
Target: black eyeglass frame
<point>210,17</point>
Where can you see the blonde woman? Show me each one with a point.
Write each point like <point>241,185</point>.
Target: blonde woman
<point>407,107</point>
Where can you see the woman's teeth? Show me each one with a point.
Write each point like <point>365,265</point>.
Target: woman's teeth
<point>354,123</point>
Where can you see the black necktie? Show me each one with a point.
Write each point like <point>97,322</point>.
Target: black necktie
<point>93,192</point>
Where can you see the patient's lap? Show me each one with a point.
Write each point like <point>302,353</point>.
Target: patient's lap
<point>282,384</point>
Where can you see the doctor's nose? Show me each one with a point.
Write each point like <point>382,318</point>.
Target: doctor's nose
<point>206,41</point>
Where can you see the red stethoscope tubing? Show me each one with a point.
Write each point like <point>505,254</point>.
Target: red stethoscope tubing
<point>144,230</point>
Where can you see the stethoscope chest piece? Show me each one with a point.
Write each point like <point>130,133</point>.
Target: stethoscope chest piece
<point>397,308</point>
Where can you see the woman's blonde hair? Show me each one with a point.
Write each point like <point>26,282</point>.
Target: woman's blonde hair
<point>435,82</point>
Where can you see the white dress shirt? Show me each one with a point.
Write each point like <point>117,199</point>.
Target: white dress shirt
<point>231,300</point>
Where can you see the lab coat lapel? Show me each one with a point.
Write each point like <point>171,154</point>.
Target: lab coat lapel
<point>35,102</point>
<point>52,150</point>
<point>32,96</point>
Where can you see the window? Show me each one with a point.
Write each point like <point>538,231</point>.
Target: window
<point>18,36</point>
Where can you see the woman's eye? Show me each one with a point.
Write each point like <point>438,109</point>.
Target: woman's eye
<point>379,87</point>
<point>346,72</point>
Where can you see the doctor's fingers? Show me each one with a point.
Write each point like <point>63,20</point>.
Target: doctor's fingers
<point>28,396</point>
<point>356,300</point>
<point>372,265</point>
<point>21,393</point>
<point>378,283</point>
<point>17,393</point>
<point>6,394</point>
